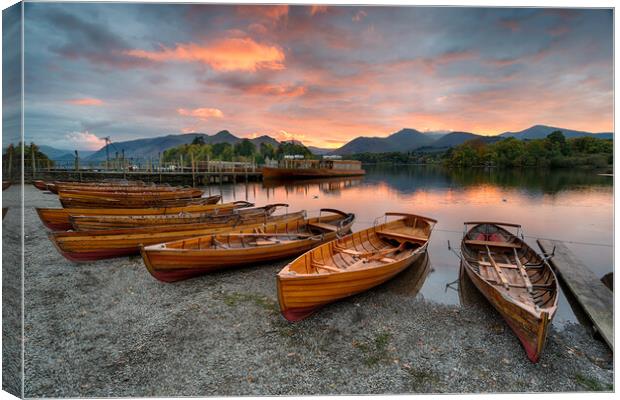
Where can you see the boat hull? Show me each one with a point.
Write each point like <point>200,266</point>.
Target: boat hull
<point>299,297</point>
<point>171,264</point>
<point>297,173</point>
<point>83,246</point>
<point>531,330</point>
<point>167,266</point>
<point>58,219</point>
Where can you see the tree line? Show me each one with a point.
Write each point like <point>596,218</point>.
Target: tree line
<point>244,150</point>
<point>554,151</point>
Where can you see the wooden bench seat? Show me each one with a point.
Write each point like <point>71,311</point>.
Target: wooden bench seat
<point>494,244</point>
<point>401,236</point>
<point>323,226</point>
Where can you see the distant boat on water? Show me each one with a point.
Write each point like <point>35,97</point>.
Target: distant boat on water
<point>313,169</point>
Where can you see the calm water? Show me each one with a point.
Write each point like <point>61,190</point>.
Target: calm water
<point>573,206</point>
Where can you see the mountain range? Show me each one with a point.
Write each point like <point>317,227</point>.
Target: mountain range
<point>401,141</point>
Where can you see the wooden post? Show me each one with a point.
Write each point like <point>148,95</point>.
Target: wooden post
<point>10,167</point>
<point>77,161</point>
<point>191,153</point>
<point>181,162</point>
<point>33,160</point>
<point>160,167</point>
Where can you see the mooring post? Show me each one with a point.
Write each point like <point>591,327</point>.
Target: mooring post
<point>159,166</point>
<point>32,151</point>
<point>191,153</point>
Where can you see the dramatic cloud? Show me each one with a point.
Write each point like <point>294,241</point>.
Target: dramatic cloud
<point>201,113</point>
<point>223,55</point>
<point>87,101</point>
<point>85,140</point>
<point>320,74</point>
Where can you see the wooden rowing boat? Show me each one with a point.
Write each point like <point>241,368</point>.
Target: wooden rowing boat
<point>41,185</point>
<point>232,216</point>
<point>79,201</point>
<point>351,264</point>
<point>515,279</point>
<point>128,195</point>
<point>83,246</point>
<point>120,188</point>
<point>53,186</point>
<point>173,261</point>
<point>57,219</point>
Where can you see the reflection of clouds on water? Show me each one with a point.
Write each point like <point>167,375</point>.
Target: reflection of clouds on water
<point>579,212</point>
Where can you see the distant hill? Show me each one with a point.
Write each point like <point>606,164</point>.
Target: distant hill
<point>403,140</point>
<point>542,131</point>
<point>151,147</point>
<point>319,151</point>
<point>62,154</point>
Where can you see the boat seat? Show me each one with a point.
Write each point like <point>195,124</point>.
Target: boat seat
<point>323,226</point>
<point>401,236</point>
<point>351,252</point>
<point>266,242</point>
<point>494,244</point>
<point>387,260</point>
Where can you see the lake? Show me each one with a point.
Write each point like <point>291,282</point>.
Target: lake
<point>573,206</point>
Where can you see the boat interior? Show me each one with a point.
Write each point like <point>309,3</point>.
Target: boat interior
<point>507,263</point>
<point>373,247</point>
<point>270,234</point>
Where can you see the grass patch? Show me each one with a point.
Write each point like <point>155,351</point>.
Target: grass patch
<point>375,350</point>
<point>233,299</point>
<point>592,384</point>
<point>421,379</point>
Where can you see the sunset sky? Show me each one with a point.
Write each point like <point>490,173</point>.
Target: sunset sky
<point>322,75</point>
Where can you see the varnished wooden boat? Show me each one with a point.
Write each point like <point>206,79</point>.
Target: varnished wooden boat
<point>41,185</point>
<point>83,246</point>
<point>234,216</point>
<point>53,186</point>
<point>79,201</point>
<point>57,219</point>
<point>515,279</point>
<point>352,264</point>
<point>173,261</point>
<point>128,195</point>
<point>119,188</point>
<point>6,185</point>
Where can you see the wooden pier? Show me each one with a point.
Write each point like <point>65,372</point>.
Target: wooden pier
<point>173,178</point>
<point>592,295</point>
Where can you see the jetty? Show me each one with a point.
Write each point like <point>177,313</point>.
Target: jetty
<point>592,295</point>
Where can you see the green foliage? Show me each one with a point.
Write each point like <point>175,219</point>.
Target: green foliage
<point>554,151</point>
<point>290,148</point>
<point>16,153</point>
<point>245,150</point>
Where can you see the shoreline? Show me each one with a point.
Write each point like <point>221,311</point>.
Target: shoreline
<point>107,328</point>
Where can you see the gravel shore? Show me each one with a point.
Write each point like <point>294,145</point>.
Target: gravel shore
<point>108,328</point>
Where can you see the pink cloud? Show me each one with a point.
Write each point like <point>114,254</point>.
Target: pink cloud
<point>318,9</point>
<point>201,113</point>
<point>360,15</point>
<point>86,101</point>
<point>232,54</point>
<point>277,90</point>
<point>274,12</point>
<point>85,140</point>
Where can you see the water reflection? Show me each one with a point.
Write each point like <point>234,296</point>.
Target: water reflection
<point>573,206</point>
<point>410,281</point>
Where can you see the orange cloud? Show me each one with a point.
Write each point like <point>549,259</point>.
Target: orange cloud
<point>87,101</point>
<point>277,90</point>
<point>232,54</point>
<point>270,12</point>
<point>201,113</point>
<point>318,9</point>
